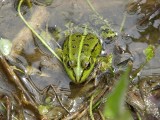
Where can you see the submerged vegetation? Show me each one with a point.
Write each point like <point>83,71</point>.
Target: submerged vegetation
<point>114,87</point>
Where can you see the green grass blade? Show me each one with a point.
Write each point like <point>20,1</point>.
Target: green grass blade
<point>114,107</point>
<point>35,33</point>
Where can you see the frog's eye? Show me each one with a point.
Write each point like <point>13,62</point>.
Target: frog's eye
<point>86,65</point>
<point>71,63</point>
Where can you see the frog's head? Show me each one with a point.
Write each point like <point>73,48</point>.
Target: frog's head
<point>79,72</point>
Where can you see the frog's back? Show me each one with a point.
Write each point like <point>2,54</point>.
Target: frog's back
<point>91,45</point>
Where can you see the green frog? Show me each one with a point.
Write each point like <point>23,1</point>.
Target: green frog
<point>80,53</point>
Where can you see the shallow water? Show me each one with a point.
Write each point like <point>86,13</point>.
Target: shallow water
<point>141,28</point>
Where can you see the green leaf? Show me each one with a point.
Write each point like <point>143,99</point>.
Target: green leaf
<point>114,107</point>
<point>149,52</point>
<point>5,46</point>
<point>43,109</point>
<point>106,62</point>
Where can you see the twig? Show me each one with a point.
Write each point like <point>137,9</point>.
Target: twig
<point>60,100</point>
<point>91,6</point>
<point>14,78</point>
<point>90,108</point>
<point>84,108</point>
<point>123,21</point>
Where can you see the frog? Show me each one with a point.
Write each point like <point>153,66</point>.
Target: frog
<point>80,53</point>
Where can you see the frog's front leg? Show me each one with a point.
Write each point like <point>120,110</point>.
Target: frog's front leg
<point>102,64</point>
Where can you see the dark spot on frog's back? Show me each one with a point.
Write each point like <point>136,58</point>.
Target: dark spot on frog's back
<point>90,38</point>
<point>86,45</point>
